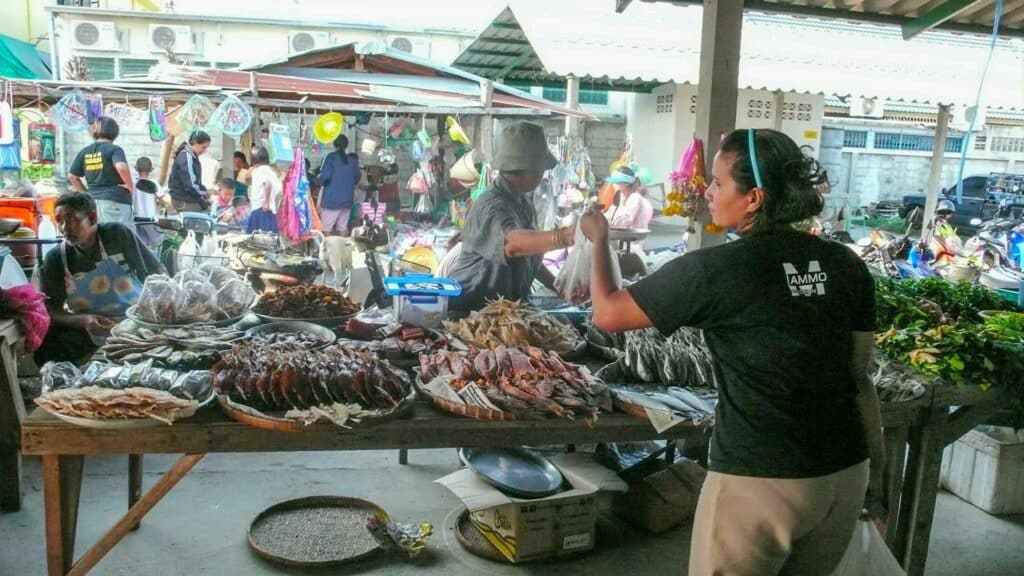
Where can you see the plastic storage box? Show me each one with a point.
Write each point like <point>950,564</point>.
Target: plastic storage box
<point>421,300</point>
<point>986,468</point>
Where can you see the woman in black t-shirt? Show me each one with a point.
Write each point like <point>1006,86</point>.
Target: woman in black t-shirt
<point>104,169</point>
<point>789,320</point>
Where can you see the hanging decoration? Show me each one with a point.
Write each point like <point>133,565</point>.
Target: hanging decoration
<point>328,127</point>
<point>42,143</point>
<point>157,119</point>
<point>688,185</point>
<point>70,112</point>
<point>455,131</point>
<point>281,149</point>
<point>93,108</point>
<point>125,114</point>
<point>304,139</point>
<point>195,114</point>
<point>232,117</point>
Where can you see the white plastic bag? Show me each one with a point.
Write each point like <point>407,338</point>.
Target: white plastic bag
<point>188,252</point>
<point>867,554</point>
<point>573,281</point>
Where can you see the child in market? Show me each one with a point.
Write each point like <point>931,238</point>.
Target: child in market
<point>145,202</point>
<point>225,192</point>
<point>238,214</point>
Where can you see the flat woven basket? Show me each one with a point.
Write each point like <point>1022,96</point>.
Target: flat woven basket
<point>477,412</point>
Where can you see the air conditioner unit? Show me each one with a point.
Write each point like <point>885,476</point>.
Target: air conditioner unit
<point>416,46</point>
<point>866,107</point>
<point>178,39</point>
<point>94,35</point>
<point>302,41</point>
<point>962,116</point>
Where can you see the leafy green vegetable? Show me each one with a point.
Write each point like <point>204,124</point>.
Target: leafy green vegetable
<point>36,172</point>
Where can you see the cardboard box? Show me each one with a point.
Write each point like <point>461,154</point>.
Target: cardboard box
<point>524,530</point>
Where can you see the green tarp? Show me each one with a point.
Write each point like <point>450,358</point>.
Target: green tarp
<point>22,60</point>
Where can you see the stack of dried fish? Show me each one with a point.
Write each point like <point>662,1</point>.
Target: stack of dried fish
<point>195,347</point>
<point>649,357</point>
<point>282,377</point>
<point>514,324</point>
<point>676,401</point>
<point>526,382</point>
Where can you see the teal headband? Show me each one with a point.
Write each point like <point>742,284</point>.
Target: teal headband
<point>753,158</point>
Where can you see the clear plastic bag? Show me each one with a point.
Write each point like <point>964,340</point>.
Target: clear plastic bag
<point>218,275</point>
<point>59,375</point>
<point>188,252</point>
<point>424,206</point>
<point>158,299</point>
<point>190,275</point>
<point>573,281</point>
<point>234,298</point>
<point>196,301</point>
<point>868,554</point>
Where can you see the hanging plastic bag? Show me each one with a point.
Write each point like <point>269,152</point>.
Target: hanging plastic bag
<point>8,131</point>
<point>10,153</point>
<point>418,183</point>
<point>210,247</point>
<point>281,149</point>
<point>573,281</point>
<point>424,206</point>
<point>481,183</point>
<point>188,252</point>
<point>42,143</point>
<point>232,117</point>
<point>71,112</point>
<point>867,554</point>
<point>157,119</point>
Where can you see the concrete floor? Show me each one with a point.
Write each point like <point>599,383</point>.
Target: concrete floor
<point>200,528</point>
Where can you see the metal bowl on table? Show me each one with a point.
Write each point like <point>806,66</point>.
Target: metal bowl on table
<point>8,225</point>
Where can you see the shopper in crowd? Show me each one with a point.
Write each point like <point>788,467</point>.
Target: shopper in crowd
<point>186,182</point>
<point>145,203</point>
<point>90,279</point>
<point>102,170</point>
<point>789,319</point>
<point>628,210</point>
<point>339,174</point>
<point>502,249</point>
<point>265,193</point>
<point>241,174</point>
<point>225,193</point>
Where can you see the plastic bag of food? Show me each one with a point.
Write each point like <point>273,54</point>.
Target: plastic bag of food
<point>158,299</point>
<point>218,275</point>
<point>573,282</point>
<point>197,300</point>
<point>190,275</point>
<point>59,375</point>
<point>234,298</point>
<point>188,253</point>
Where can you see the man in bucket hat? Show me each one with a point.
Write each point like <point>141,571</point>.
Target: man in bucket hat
<point>502,250</point>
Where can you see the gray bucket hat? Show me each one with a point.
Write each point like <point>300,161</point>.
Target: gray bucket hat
<point>524,147</point>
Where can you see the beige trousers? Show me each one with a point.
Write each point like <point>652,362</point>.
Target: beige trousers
<point>748,526</point>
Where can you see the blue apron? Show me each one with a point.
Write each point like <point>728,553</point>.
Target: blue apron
<point>109,290</point>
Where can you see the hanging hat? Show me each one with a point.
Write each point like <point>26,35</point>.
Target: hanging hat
<point>524,147</point>
<point>328,127</point>
<point>622,175</point>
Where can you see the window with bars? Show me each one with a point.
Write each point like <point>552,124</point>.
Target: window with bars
<point>914,142</point>
<point>979,141</point>
<point>136,66</point>
<point>1007,144</point>
<point>592,97</point>
<point>855,139</point>
<point>101,68</point>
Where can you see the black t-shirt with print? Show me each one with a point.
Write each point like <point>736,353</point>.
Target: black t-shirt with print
<point>95,163</point>
<point>778,311</point>
<point>121,245</point>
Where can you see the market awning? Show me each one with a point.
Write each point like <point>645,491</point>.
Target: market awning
<point>22,60</point>
<point>653,44</point>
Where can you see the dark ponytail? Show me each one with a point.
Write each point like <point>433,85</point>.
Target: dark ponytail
<point>197,137</point>
<point>793,182</point>
<point>341,145</point>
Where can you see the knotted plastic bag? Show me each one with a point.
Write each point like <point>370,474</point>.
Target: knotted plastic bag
<point>189,252</point>
<point>867,554</point>
<point>573,281</point>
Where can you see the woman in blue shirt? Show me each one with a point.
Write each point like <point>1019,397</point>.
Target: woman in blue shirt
<point>339,174</point>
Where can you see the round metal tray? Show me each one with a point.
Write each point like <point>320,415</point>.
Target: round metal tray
<point>315,531</point>
<point>325,335</point>
<point>133,315</point>
<point>516,471</point>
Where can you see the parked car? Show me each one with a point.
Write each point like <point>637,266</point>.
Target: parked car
<point>984,198</point>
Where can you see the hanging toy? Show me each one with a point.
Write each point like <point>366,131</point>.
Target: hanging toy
<point>195,114</point>
<point>93,108</point>
<point>232,117</point>
<point>303,131</point>
<point>157,119</point>
<point>328,127</point>
<point>455,131</point>
<point>70,112</point>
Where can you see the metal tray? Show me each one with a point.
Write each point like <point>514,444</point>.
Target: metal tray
<point>133,315</point>
<point>518,472</point>
<point>325,335</point>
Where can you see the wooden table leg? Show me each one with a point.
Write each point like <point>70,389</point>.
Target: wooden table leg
<point>62,485</point>
<point>134,482</point>
<point>920,490</point>
<point>892,478</point>
<point>12,413</point>
<point>150,499</point>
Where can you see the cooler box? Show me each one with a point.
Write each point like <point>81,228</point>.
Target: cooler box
<point>25,209</point>
<point>421,300</point>
<point>986,468</point>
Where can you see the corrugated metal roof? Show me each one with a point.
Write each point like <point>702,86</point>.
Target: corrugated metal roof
<point>653,44</point>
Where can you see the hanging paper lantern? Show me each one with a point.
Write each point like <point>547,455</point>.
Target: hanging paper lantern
<point>232,117</point>
<point>71,112</point>
<point>328,127</point>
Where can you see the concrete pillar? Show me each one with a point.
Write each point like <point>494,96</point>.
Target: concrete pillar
<point>935,174</point>
<point>717,91</point>
<point>486,123</point>
<point>779,101</point>
<point>572,89</point>
<point>227,157</point>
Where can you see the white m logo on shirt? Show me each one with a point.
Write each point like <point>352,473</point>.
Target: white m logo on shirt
<point>809,284</point>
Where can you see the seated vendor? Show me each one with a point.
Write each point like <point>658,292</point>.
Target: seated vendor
<point>630,210</point>
<point>90,279</point>
<point>502,249</point>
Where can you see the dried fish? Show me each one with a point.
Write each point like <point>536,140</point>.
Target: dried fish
<point>514,324</point>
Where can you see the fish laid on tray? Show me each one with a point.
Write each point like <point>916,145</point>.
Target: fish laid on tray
<point>194,347</point>
<point>502,322</point>
<point>678,402</point>
<point>526,382</point>
<point>310,384</point>
<point>649,357</point>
